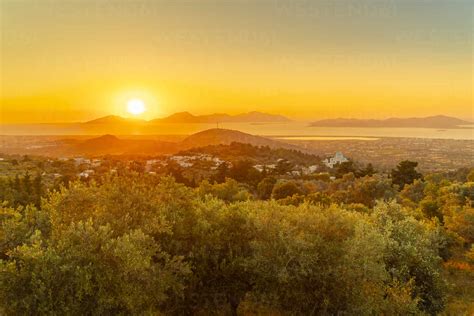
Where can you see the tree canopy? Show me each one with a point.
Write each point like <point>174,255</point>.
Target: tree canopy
<point>140,244</point>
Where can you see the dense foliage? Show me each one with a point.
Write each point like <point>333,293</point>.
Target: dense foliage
<point>140,244</point>
<point>261,154</point>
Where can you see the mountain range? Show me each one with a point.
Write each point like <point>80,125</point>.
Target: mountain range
<point>439,121</point>
<point>188,118</point>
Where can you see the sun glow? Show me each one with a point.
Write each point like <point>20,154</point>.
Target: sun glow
<point>136,106</point>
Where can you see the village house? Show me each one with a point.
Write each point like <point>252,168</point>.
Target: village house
<point>309,170</point>
<point>260,168</point>
<point>96,163</point>
<point>80,160</point>
<point>86,173</point>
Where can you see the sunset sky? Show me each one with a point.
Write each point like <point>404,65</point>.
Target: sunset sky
<point>74,60</point>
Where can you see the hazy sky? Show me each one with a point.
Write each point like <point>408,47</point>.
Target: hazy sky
<point>70,60</point>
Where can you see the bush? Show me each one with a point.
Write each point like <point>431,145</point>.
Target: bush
<point>285,189</point>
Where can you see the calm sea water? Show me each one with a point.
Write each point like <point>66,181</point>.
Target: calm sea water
<point>292,130</point>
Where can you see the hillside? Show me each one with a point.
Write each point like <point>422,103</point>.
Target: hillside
<point>439,121</point>
<point>258,154</point>
<point>109,144</point>
<point>218,136</point>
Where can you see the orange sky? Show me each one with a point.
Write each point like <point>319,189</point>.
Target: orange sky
<point>77,60</point>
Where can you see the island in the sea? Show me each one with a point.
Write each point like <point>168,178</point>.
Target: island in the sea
<point>438,121</point>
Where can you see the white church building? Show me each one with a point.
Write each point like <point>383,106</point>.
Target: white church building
<point>332,161</point>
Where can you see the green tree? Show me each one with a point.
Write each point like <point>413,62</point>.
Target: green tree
<point>431,208</point>
<point>283,166</point>
<point>137,166</point>
<point>285,189</point>
<point>243,171</point>
<point>470,176</point>
<point>461,222</point>
<point>38,190</point>
<point>220,248</point>
<point>323,261</point>
<point>176,171</point>
<point>18,225</point>
<point>85,270</point>
<point>229,191</point>
<point>412,254</point>
<point>345,168</point>
<point>367,171</point>
<point>27,185</point>
<point>368,190</point>
<point>222,172</point>
<point>413,193</point>
<point>320,198</point>
<point>265,188</point>
<point>405,173</point>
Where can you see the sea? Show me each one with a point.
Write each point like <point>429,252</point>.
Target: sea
<point>295,130</point>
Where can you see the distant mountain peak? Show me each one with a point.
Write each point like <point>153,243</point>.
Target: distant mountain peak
<point>114,119</point>
<point>107,137</point>
<point>106,118</point>
<point>436,121</point>
<point>254,116</point>
<point>105,140</point>
<point>183,113</point>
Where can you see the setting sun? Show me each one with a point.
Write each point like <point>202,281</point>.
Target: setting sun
<point>236,157</point>
<point>136,106</point>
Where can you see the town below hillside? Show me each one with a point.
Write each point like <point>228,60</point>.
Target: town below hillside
<point>383,153</point>
<point>250,163</point>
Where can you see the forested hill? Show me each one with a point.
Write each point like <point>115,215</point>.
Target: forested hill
<point>261,154</point>
<point>216,136</point>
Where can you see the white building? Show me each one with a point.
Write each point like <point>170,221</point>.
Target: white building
<point>260,168</point>
<point>189,161</point>
<point>96,163</point>
<point>80,160</point>
<point>310,169</point>
<point>86,173</point>
<point>332,161</point>
<point>150,163</point>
